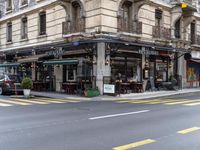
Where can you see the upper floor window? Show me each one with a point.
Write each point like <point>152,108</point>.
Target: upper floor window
<point>1,14</point>
<point>158,17</point>
<point>24,28</point>
<point>9,5</point>
<point>42,23</point>
<point>126,15</point>
<point>125,21</point>
<point>78,20</point>
<point>24,2</point>
<point>177,33</point>
<point>9,32</point>
<point>193,32</point>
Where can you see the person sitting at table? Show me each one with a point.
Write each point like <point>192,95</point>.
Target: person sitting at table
<point>135,77</point>
<point>119,79</point>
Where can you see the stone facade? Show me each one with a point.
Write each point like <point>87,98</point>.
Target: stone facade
<point>101,21</point>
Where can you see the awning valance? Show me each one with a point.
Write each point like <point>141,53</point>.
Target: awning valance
<point>10,65</point>
<point>62,62</point>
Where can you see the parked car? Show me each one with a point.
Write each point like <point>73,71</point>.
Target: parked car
<point>10,84</point>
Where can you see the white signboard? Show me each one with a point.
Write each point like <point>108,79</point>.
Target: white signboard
<point>109,88</point>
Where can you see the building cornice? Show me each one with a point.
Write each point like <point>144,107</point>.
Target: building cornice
<point>161,3</point>
<point>28,10</point>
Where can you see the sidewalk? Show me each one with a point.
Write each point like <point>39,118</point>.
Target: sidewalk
<point>132,96</point>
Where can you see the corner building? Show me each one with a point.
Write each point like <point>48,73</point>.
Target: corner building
<point>72,45</point>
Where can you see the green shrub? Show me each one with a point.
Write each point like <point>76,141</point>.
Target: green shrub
<point>27,83</point>
<point>93,92</point>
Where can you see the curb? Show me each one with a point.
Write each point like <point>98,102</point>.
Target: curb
<point>133,97</point>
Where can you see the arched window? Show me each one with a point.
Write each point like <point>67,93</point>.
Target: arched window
<point>125,18</point>
<point>78,21</point>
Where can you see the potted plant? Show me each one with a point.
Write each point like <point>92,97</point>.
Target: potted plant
<point>27,85</point>
<point>92,92</point>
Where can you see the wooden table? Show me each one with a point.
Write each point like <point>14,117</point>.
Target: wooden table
<point>69,87</point>
<point>40,86</point>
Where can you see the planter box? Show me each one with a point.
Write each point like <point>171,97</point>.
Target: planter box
<point>92,93</point>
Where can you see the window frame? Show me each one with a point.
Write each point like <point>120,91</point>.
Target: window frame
<point>9,32</point>
<point>9,5</point>
<point>24,2</point>
<point>24,28</point>
<point>42,29</point>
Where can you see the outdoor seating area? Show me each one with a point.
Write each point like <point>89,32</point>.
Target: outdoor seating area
<point>129,87</point>
<point>69,87</point>
<point>41,86</point>
<point>76,87</point>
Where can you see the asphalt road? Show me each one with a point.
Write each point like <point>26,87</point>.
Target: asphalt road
<point>171,123</point>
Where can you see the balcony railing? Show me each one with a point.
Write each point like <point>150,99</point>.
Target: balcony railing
<point>195,39</point>
<point>133,27</point>
<point>73,27</point>
<point>161,32</point>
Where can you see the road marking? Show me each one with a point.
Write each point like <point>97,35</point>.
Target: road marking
<point>134,145</point>
<point>2,104</point>
<point>117,115</point>
<point>124,101</point>
<point>182,102</point>
<point>192,104</point>
<point>61,100</point>
<point>31,101</point>
<point>81,98</point>
<point>50,101</point>
<point>15,102</point>
<point>138,101</point>
<point>189,130</point>
<point>143,101</point>
<point>162,101</point>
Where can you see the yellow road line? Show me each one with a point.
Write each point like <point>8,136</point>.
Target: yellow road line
<point>143,101</point>
<point>50,101</point>
<point>182,102</point>
<point>61,100</point>
<point>192,104</point>
<point>134,145</point>
<point>15,102</point>
<point>31,101</point>
<point>162,102</point>
<point>157,101</point>
<point>189,130</point>
<point>3,104</point>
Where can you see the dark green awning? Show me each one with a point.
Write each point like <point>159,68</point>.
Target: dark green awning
<point>62,62</point>
<point>10,65</point>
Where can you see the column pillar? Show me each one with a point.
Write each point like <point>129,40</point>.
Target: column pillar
<point>33,67</point>
<point>182,69</point>
<point>102,68</point>
<point>58,73</point>
<point>143,66</point>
